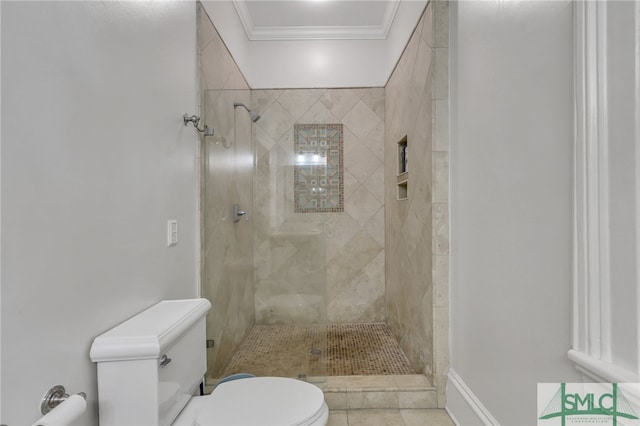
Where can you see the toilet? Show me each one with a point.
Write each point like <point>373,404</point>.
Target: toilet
<point>150,368</point>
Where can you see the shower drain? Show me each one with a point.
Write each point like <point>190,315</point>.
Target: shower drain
<point>315,351</point>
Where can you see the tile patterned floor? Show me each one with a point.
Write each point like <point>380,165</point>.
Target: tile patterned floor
<point>409,417</point>
<point>319,350</point>
<point>364,349</point>
<point>358,358</point>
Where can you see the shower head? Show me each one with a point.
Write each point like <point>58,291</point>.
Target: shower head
<point>254,115</point>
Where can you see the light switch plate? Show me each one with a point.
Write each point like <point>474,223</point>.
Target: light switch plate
<point>172,232</point>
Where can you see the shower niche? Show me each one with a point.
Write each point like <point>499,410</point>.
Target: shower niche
<point>403,171</point>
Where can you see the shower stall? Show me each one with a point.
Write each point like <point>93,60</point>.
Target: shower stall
<point>328,272</point>
<point>298,284</point>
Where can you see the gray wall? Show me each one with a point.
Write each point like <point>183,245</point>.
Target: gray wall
<point>95,160</point>
<point>511,211</point>
<point>624,172</point>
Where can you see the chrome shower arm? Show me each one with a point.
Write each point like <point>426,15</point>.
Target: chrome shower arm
<point>196,120</point>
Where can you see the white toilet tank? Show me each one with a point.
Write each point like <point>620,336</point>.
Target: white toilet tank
<point>150,365</point>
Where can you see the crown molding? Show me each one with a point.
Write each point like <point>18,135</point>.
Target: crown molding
<point>368,32</point>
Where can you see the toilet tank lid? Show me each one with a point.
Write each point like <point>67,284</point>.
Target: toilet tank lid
<point>146,335</point>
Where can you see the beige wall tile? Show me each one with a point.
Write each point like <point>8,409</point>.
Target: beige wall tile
<point>374,98</point>
<point>440,177</point>
<point>440,229</point>
<point>236,81</point>
<point>375,227</point>
<point>363,111</point>
<point>350,184</point>
<point>276,120</point>
<point>261,99</point>
<point>336,400</point>
<point>206,30</point>
<point>375,183</point>
<point>382,417</point>
<point>441,330</point>
<point>337,418</point>
<point>409,236</point>
<point>427,25</point>
<point>354,290</point>
<point>441,198</point>
<point>338,383</point>
<point>318,114</point>
<point>441,89</point>
<point>417,399</point>
<point>441,23</point>
<point>353,258</point>
<point>340,229</point>
<point>355,400</point>
<point>440,280</point>
<point>441,125</point>
<point>361,205</point>
<point>357,383</point>
<point>417,381</point>
<point>375,141</point>
<point>361,120</point>
<point>362,164</point>
<point>297,101</point>
<point>436,417</point>
<point>386,399</point>
<point>223,243</point>
<point>360,298</point>
<point>339,101</point>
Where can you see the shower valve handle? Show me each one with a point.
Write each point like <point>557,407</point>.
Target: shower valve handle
<point>237,213</point>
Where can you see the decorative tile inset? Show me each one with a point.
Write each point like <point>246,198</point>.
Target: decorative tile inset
<point>318,168</point>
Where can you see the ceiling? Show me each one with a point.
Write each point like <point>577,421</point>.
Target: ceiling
<point>316,19</point>
<point>315,43</point>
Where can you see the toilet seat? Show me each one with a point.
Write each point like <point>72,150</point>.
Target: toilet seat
<point>263,401</point>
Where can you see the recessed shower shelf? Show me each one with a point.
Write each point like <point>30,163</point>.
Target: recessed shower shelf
<point>403,173</point>
<point>402,181</point>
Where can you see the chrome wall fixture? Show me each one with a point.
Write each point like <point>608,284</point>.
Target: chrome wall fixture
<point>237,213</point>
<point>208,131</point>
<point>254,115</point>
<point>54,397</point>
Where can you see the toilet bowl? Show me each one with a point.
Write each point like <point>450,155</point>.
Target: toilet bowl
<point>259,401</point>
<point>151,366</point>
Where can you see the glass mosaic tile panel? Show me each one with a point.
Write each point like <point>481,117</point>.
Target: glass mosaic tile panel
<point>318,168</point>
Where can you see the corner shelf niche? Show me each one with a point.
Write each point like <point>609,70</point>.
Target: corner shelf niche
<point>403,171</point>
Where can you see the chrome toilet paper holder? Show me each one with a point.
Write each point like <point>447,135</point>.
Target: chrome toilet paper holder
<point>54,397</point>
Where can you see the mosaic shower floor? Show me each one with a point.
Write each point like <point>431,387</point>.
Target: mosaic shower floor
<point>320,350</point>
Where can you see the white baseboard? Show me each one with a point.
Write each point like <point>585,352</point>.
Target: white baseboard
<point>463,405</point>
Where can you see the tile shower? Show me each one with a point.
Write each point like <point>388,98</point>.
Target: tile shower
<point>324,263</point>
<point>328,254</point>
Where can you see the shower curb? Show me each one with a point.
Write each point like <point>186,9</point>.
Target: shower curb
<point>374,392</point>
